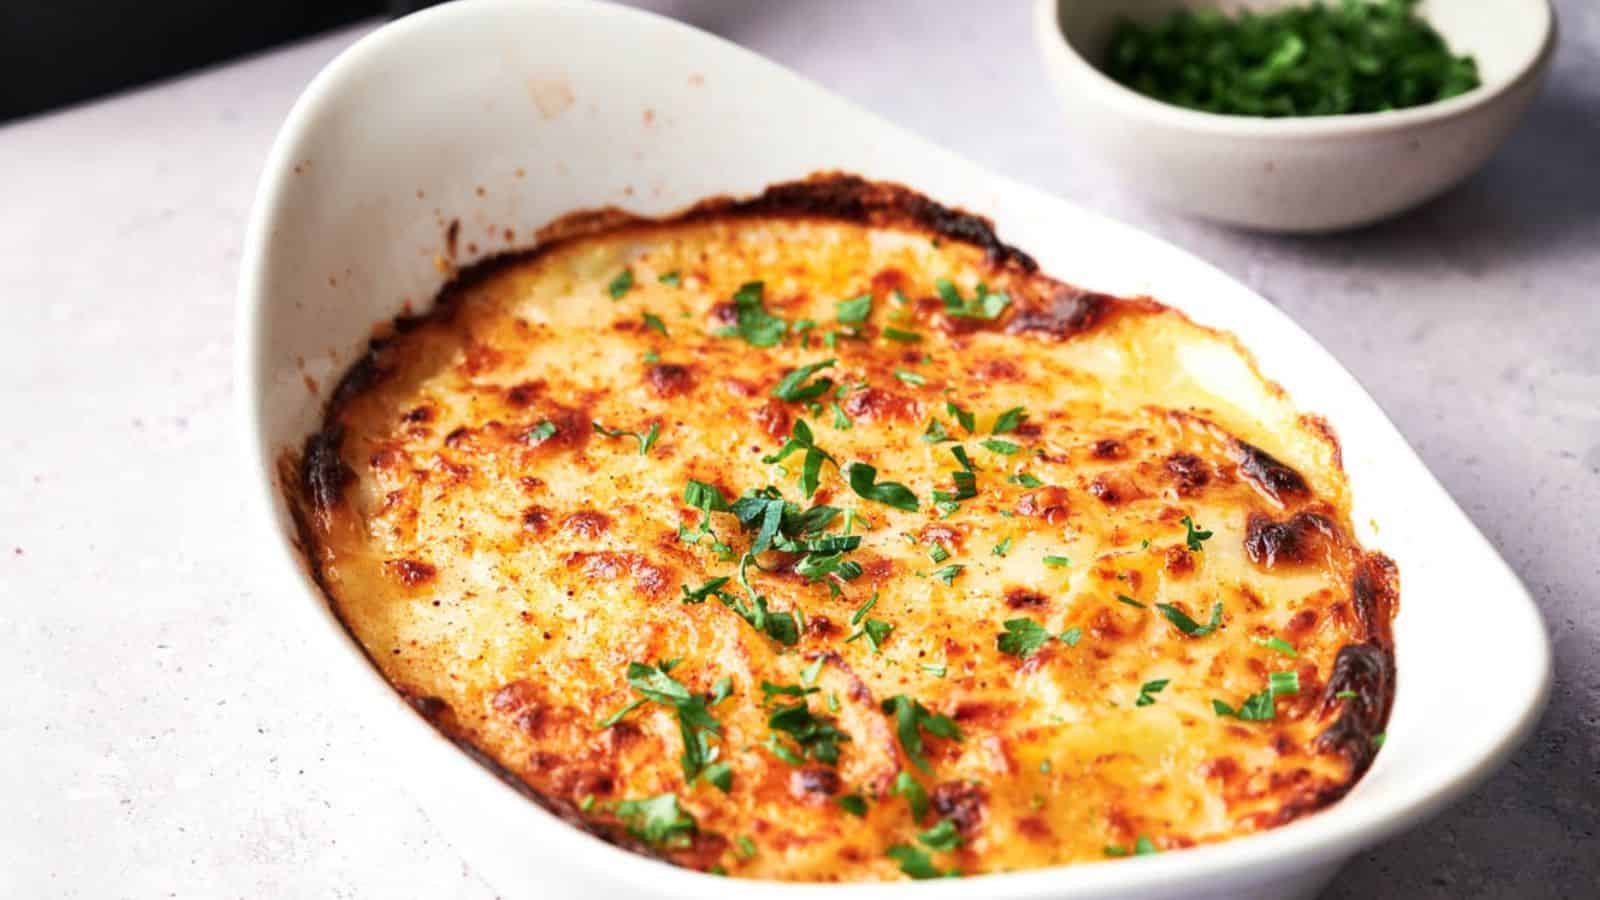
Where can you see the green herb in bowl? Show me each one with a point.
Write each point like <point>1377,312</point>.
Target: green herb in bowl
<point>1354,56</point>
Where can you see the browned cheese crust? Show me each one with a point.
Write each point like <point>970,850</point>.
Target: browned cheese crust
<point>1130,615</point>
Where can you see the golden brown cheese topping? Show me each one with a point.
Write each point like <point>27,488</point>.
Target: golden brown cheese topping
<point>820,537</point>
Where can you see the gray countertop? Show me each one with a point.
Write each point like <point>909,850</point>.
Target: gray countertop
<point>165,736</point>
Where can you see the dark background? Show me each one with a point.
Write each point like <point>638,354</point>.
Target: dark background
<point>57,52</point>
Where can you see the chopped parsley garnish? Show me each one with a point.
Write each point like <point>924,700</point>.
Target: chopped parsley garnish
<point>671,279</point>
<point>1379,739</point>
<point>542,432</point>
<point>695,722</point>
<point>876,631</point>
<point>1071,636</point>
<point>917,863</point>
<point>1009,420</point>
<point>654,323</point>
<point>816,736</point>
<point>801,438</point>
<point>1260,707</point>
<point>645,438</point>
<point>984,303</point>
<point>911,719</point>
<point>1022,638</point>
<point>1002,548</point>
<point>967,419</point>
<point>1300,60</point>
<point>935,433</point>
<point>900,336</point>
<point>1057,561</point>
<point>587,803</point>
<point>864,481</point>
<point>855,310</point>
<point>863,609</point>
<point>719,775</point>
<point>1346,695</point>
<point>1142,847</point>
<point>758,327</point>
<point>808,675</point>
<point>947,574</point>
<point>854,804</point>
<point>793,387</point>
<point>1189,626</point>
<point>650,356</point>
<point>938,553</point>
<point>712,588</point>
<point>942,836</point>
<point>658,820</point>
<point>910,377</point>
<point>840,420</point>
<point>1149,689</point>
<point>995,445</point>
<point>1026,480</point>
<point>1276,643</point>
<point>707,499</point>
<point>1124,598</point>
<point>746,847</point>
<point>770,690</point>
<point>908,787</point>
<point>937,670</point>
<point>1194,535</point>
<point>621,284</point>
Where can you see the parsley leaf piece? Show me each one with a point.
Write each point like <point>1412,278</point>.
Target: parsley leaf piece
<point>1144,847</point>
<point>854,804</point>
<point>984,304</point>
<point>654,323</point>
<point>995,445</point>
<point>1194,535</point>
<point>937,670</point>
<point>1124,598</point>
<point>719,775</point>
<point>1022,637</point>
<point>1009,420</point>
<point>792,388</point>
<point>646,439</point>
<point>942,836</point>
<point>1149,689</point>
<point>758,327</point>
<point>863,609</point>
<point>854,310</point>
<point>864,481</point>
<point>1058,562</point>
<point>817,736</point>
<point>1189,626</point>
<point>911,719</point>
<point>618,716</point>
<point>712,588</point>
<point>841,421</point>
<point>621,284</point>
<point>1276,643</point>
<point>1026,480</point>
<point>908,787</point>
<point>876,631</point>
<point>1260,707</point>
<point>901,336</point>
<point>935,433</point>
<point>917,863</point>
<point>542,432</point>
<point>1347,695</point>
<point>671,279</point>
<point>801,438</point>
<point>910,377</point>
<point>1002,548</point>
<point>948,574</point>
<point>967,419</point>
<point>1071,636</point>
<point>658,820</point>
<point>938,553</point>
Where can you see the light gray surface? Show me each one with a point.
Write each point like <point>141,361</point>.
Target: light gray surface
<point>163,733</point>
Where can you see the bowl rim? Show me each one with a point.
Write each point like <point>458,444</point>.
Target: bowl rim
<point>1259,856</point>
<point>1072,71</point>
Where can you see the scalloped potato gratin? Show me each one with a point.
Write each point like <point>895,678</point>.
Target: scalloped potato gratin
<point>820,536</point>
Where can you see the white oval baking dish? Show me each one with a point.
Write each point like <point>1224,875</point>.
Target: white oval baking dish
<point>504,114</point>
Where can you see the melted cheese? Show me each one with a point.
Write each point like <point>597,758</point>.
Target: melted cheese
<point>510,575</point>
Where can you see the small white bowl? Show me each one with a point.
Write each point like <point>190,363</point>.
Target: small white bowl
<point>1305,174</point>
